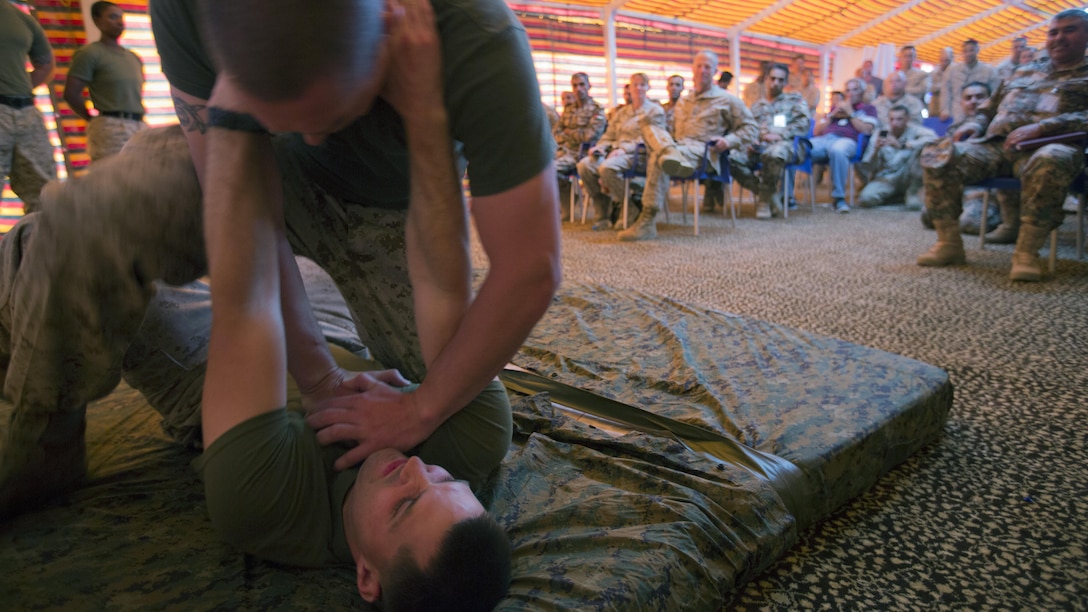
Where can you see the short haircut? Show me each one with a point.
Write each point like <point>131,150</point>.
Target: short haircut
<point>676,76</point>
<point>970,41</point>
<point>861,83</point>
<point>906,47</point>
<point>986,86</point>
<point>778,66</point>
<point>838,93</point>
<point>339,38</point>
<point>710,55</point>
<point>1078,14</point>
<point>799,56</point>
<point>580,75</point>
<point>899,108</point>
<point>470,571</point>
<point>725,78</point>
<point>100,7</point>
<point>642,75</point>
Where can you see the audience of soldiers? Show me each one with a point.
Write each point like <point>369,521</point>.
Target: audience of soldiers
<point>757,135</point>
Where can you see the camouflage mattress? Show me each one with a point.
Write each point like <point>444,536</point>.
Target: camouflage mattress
<point>639,521</point>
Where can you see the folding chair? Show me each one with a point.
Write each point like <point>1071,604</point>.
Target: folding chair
<point>702,174</point>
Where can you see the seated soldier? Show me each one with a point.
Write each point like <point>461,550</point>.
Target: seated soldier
<point>713,191</point>
<point>974,95</point>
<point>706,114</point>
<point>895,94</point>
<point>581,123</point>
<point>1041,99</point>
<point>780,117</point>
<point>894,156</point>
<point>613,154</point>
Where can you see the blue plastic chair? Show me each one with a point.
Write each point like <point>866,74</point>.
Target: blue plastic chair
<point>703,173</point>
<point>935,124</point>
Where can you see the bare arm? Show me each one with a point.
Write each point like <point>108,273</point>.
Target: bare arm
<point>309,360</point>
<point>73,95</point>
<point>246,373</point>
<point>40,73</point>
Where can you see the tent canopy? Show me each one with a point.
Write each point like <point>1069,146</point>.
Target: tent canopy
<point>929,25</point>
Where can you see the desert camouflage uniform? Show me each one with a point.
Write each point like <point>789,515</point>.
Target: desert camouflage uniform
<point>578,125</point>
<point>914,108</point>
<point>811,94</point>
<point>670,114</point>
<point>26,155</point>
<point>956,77</point>
<point>772,157</point>
<point>1005,68</point>
<point>107,135</point>
<point>553,117</point>
<point>917,83</point>
<point>1035,94</point>
<point>937,86</point>
<point>897,170</point>
<point>76,279</point>
<point>699,117</point>
<point>601,175</point>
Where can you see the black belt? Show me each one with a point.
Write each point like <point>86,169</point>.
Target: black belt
<point>122,115</point>
<point>17,101</point>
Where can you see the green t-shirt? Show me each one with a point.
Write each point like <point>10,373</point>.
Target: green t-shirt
<point>490,90</point>
<point>272,491</point>
<point>114,76</point>
<point>20,37</point>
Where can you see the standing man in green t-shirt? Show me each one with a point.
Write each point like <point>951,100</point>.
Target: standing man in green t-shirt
<point>26,156</point>
<point>115,77</point>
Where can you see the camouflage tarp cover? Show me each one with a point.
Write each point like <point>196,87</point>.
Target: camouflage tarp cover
<point>598,522</point>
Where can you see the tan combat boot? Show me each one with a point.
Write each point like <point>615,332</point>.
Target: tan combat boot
<point>644,227</point>
<point>949,248</point>
<point>1010,221</point>
<point>1025,259</point>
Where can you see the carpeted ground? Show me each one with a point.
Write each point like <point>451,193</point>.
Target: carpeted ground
<point>992,516</point>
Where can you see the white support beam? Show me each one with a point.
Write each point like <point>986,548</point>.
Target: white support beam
<point>952,28</point>
<point>734,59</point>
<point>609,18</point>
<point>615,5</point>
<point>825,74</point>
<point>869,25</point>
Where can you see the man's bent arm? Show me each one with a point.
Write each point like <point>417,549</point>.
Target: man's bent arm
<point>437,238</point>
<point>309,360</point>
<point>246,373</point>
<point>519,230</point>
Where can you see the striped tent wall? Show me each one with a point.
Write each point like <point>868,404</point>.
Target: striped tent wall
<point>565,41</point>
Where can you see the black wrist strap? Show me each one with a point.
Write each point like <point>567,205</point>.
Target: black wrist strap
<point>237,122</point>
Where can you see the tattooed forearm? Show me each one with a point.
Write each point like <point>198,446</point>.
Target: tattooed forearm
<point>189,116</point>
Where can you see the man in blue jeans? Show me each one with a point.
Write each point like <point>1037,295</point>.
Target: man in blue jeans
<point>837,135</point>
